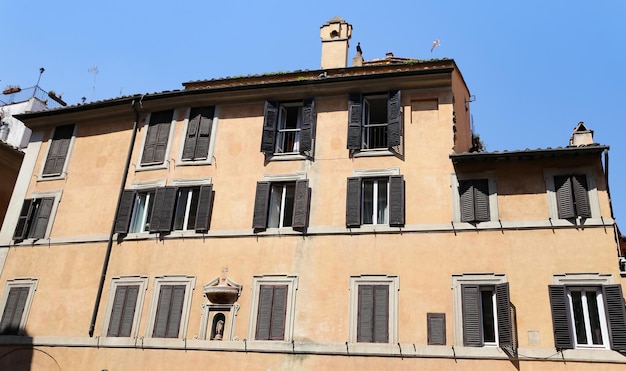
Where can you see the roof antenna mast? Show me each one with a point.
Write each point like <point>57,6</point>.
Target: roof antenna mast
<point>95,71</point>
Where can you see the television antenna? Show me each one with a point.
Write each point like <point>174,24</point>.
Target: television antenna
<point>94,70</point>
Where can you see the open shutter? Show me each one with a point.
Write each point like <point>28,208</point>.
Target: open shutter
<point>436,324</point>
<point>122,220</point>
<point>41,218</point>
<point>381,313</point>
<point>58,150</point>
<point>264,314</point>
<point>564,200</point>
<point>472,322</point>
<point>560,321</point>
<point>396,201</point>
<point>13,311</point>
<point>261,204</point>
<point>301,204</point>
<point>307,126</point>
<point>163,209</point>
<point>269,127</point>
<point>616,316</point>
<point>353,203</point>
<point>580,189</point>
<point>503,309</point>
<point>23,221</point>
<point>279,313</point>
<point>203,215</point>
<point>394,119</point>
<point>365,314</point>
<point>123,311</point>
<point>466,196</point>
<point>355,116</point>
<point>157,137</point>
<point>481,200</point>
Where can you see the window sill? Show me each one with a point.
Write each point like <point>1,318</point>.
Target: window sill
<point>45,178</point>
<point>286,157</point>
<point>151,167</point>
<point>373,153</point>
<point>193,162</point>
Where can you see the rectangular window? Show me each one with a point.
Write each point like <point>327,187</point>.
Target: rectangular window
<point>373,314</point>
<point>436,328</point>
<point>16,302</point>
<point>58,151</point>
<point>123,310</point>
<point>486,312</point>
<point>169,311</point>
<point>375,201</point>
<point>34,218</point>
<point>375,122</point>
<point>572,196</point>
<point>186,208</point>
<point>272,311</point>
<point>281,204</point>
<point>198,136</point>
<point>142,211</point>
<point>474,199</point>
<point>288,128</point>
<point>157,137</point>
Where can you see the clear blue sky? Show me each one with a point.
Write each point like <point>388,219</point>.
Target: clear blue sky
<point>537,68</point>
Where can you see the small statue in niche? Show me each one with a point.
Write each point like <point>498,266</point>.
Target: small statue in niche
<point>219,329</point>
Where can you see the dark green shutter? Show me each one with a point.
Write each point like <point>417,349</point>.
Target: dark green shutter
<point>157,137</point>
<point>355,117</point>
<point>396,201</point>
<point>279,313</point>
<point>307,125</point>
<point>481,200</point>
<point>123,311</point>
<point>13,311</point>
<point>301,204</point>
<point>41,218</point>
<point>23,222</point>
<point>394,118</point>
<point>270,123</point>
<point>124,212</point>
<point>580,190</point>
<point>365,314</point>
<point>203,214</point>
<point>564,199</point>
<point>163,209</point>
<point>616,316</point>
<point>472,316</point>
<point>560,321</point>
<point>58,150</point>
<point>436,325</point>
<point>261,205</point>
<point>503,311</point>
<point>353,203</point>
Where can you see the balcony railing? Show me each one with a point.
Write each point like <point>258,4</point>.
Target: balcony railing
<point>22,95</point>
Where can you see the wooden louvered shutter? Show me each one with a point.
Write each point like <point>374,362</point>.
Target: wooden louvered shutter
<point>41,218</point>
<point>169,311</point>
<point>466,196</point>
<point>396,201</point>
<point>472,321</point>
<point>353,203</point>
<point>203,215</point>
<point>23,222</point>
<point>581,197</point>
<point>261,205</point>
<point>13,311</point>
<point>163,209</point>
<point>264,313</point>
<point>58,150</point>
<point>503,310</point>
<point>481,200</point>
<point>157,137</point>
<point>560,320</point>
<point>394,118</point>
<point>204,133</point>
<point>301,204</point>
<point>616,316</point>
<point>365,314</point>
<point>307,126</point>
<point>269,127</point>
<point>189,147</point>
<point>564,200</point>
<point>355,117</point>
<point>124,212</point>
<point>176,311</point>
<point>381,314</point>
<point>123,311</point>
<point>436,325</point>
<point>279,312</point>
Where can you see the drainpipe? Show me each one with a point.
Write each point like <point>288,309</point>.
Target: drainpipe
<point>107,255</point>
<point>608,193</point>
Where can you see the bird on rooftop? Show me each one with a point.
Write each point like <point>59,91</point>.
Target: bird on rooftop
<point>435,44</point>
<point>358,48</point>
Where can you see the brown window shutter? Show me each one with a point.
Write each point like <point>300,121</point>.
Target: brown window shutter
<point>203,216</point>
<point>270,122</point>
<point>472,317</point>
<point>124,212</point>
<point>365,314</point>
<point>616,316</point>
<point>123,311</point>
<point>169,311</point>
<point>279,312</point>
<point>481,200</point>
<point>157,137</point>
<point>261,205</point>
<point>466,196</point>
<point>564,200</point>
<point>301,204</point>
<point>353,203</point>
<point>396,201</point>
<point>58,150</point>
<point>381,314</point>
<point>264,313</point>
<point>580,189</point>
<point>204,133</point>
<point>189,147</point>
<point>560,319</point>
<point>13,311</point>
<point>307,128</point>
<point>41,218</point>
<point>394,118</point>
<point>355,117</point>
<point>23,222</point>
<point>503,309</point>
<point>163,209</point>
<point>436,325</point>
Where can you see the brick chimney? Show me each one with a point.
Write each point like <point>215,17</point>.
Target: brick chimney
<point>335,35</point>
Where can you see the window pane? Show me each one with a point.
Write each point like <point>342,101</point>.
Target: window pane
<point>594,317</point>
<point>377,110</point>
<point>142,212</point>
<point>290,190</point>
<point>381,217</point>
<point>193,209</point>
<point>579,317</point>
<point>289,129</point>
<point>368,201</point>
<point>181,207</point>
<point>276,197</point>
<point>489,329</point>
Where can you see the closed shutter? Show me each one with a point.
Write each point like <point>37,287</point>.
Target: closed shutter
<point>272,312</point>
<point>307,126</point>
<point>23,222</point>
<point>261,205</point>
<point>41,218</point>
<point>58,150</point>
<point>123,311</point>
<point>503,310</point>
<point>157,137</point>
<point>279,312</point>
<point>580,189</point>
<point>124,212</point>
<point>396,201</point>
<point>269,127</point>
<point>381,313</point>
<point>560,321</point>
<point>472,321</point>
<point>189,147</point>
<point>564,200</point>
<point>203,216</point>
<point>466,196</point>
<point>394,118</point>
<point>436,324</point>
<point>355,117</point>
<point>196,146</point>
<point>301,204</point>
<point>365,314</point>
<point>616,316</point>
<point>163,209</point>
<point>264,313</point>
<point>353,203</point>
<point>13,311</point>
<point>169,311</point>
<point>481,200</point>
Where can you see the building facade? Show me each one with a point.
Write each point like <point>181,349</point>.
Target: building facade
<point>329,219</point>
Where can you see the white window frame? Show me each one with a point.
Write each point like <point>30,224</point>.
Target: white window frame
<point>116,282</point>
<point>141,187</point>
<point>209,158</point>
<point>272,280</point>
<point>493,195</point>
<point>283,199</point>
<point>480,279</point>
<point>592,192</point>
<point>281,178</point>
<point>188,183</point>
<point>373,174</point>
<point>375,184</point>
<point>166,159</point>
<point>56,194</point>
<point>606,342</point>
<point>43,178</point>
<point>374,279</point>
<point>280,130</point>
<point>31,283</point>
<point>190,283</point>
